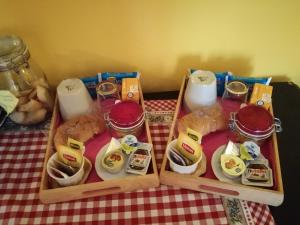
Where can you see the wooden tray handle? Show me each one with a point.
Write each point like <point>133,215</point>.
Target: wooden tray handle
<point>101,191</point>
<point>218,190</point>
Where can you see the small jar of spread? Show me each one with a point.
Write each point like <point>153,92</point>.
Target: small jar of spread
<point>254,123</point>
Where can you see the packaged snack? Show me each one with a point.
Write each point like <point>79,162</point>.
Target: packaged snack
<point>129,143</point>
<point>251,148</point>
<point>69,170</point>
<point>232,166</point>
<point>245,154</point>
<point>139,160</point>
<point>250,81</point>
<point>69,156</point>
<point>196,136</point>
<point>178,158</point>
<point>258,173</point>
<point>188,147</point>
<point>262,95</point>
<point>130,89</point>
<point>91,83</point>
<point>231,149</point>
<point>113,161</point>
<point>118,76</point>
<point>78,145</point>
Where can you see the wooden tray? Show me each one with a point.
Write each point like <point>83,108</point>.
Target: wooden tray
<point>210,184</point>
<point>97,188</point>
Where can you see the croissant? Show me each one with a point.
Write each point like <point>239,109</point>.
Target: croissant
<point>204,120</point>
<point>81,128</point>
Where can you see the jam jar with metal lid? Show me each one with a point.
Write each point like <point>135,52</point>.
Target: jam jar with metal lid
<point>23,78</point>
<point>254,123</point>
<point>126,117</point>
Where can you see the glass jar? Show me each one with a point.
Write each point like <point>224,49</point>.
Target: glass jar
<point>253,123</point>
<point>25,80</point>
<point>236,90</point>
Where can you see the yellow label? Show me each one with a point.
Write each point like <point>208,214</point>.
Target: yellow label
<point>77,145</point>
<point>130,89</point>
<point>188,147</point>
<point>196,136</point>
<point>262,95</point>
<point>70,156</point>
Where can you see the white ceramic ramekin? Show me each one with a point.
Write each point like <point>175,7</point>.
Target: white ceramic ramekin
<point>178,168</point>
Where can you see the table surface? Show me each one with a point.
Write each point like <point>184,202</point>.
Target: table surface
<point>286,105</point>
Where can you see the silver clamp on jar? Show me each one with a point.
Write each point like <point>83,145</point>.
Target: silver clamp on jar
<point>256,127</point>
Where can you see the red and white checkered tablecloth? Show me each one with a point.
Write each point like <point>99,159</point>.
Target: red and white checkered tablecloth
<point>21,161</point>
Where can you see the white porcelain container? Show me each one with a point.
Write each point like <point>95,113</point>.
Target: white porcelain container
<point>201,90</point>
<point>74,99</point>
<point>178,168</point>
<point>71,180</point>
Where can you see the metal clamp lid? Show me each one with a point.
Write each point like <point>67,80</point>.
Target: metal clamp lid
<point>13,53</point>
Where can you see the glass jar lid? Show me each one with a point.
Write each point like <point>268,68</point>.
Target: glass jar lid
<point>237,87</point>
<point>13,52</point>
<point>255,120</point>
<point>126,114</point>
<point>106,88</point>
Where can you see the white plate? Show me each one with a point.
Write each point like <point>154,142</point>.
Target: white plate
<point>103,174</point>
<point>217,169</point>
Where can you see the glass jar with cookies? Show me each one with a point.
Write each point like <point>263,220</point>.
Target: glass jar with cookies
<point>22,77</point>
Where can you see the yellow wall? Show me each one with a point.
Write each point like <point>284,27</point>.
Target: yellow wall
<point>160,38</point>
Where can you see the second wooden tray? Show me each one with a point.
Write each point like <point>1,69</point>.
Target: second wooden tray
<point>211,184</point>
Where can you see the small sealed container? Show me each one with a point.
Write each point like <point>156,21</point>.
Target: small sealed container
<point>236,90</point>
<point>254,123</point>
<point>126,117</point>
<point>232,166</point>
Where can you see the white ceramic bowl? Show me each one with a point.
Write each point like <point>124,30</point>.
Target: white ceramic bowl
<point>72,180</point>
<point>178,168</point>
